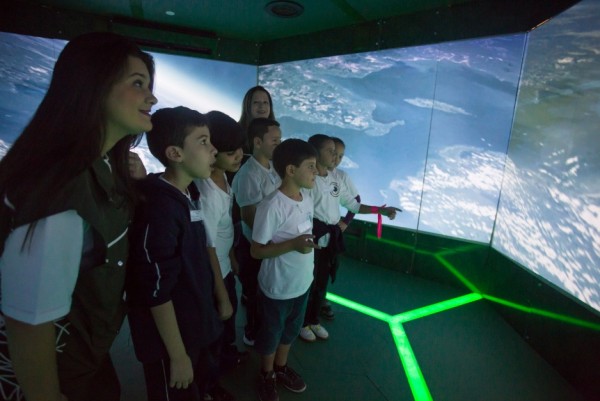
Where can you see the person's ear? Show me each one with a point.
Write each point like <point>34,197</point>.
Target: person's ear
<point>290,170</point>
<point>257,142</point>
<point>174,153</point>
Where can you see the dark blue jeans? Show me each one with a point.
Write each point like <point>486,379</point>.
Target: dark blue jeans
<point>325,261</point>
<point>229,324</point>
<point>158,374</point>
<point>249,268</point>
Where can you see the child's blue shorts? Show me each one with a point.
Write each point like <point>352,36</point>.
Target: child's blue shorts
<point>280,321</point>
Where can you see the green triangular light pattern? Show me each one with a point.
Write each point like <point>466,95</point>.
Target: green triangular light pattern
<point>415,377</point>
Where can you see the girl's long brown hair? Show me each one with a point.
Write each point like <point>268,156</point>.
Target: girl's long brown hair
<point>67,132</point>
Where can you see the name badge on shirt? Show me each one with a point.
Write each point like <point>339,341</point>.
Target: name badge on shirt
<point>196,215</point>
<point>305,226</point>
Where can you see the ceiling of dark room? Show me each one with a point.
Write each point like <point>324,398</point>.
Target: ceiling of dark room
<point>244,31</point>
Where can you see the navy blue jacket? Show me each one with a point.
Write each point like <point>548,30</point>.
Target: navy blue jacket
<point>168,261</point>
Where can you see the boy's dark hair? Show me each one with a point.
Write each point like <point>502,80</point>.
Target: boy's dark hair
<point>318,140</point>
<point>170,126</point>
<point>258,128</point>
<point>226,134</point>
<point>291,151</point>
<point>338,141</point>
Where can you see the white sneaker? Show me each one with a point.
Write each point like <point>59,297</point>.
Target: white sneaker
<point>307,334</point>
<point>319,331</point>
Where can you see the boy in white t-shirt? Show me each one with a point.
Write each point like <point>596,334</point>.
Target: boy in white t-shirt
<point>253,182</point>
<point>216,199</point>
<point>329,193</point>
<point>282,238</point>
<point>342,177</point>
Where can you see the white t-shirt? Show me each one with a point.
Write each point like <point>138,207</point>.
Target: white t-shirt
<point>216,205</point>
<point>38,281</point>
<point>280,218</point>
<point>344,178</point>
<point>329,193</point>
<point>251,184</point>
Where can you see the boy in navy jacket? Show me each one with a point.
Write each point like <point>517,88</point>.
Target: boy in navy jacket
<point>174,314</point>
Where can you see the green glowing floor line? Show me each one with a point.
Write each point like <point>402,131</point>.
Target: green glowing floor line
<point>365,310</point>
<point>450,304</point>
<point>541,312</point>
<point>416,380</point>
<point>408,315</point>
<point>415,377</point>
<point>435,308</point>
<point>440,257</point>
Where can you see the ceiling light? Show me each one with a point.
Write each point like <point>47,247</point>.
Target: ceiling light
<point>284,9</point>
<point>170,13</point>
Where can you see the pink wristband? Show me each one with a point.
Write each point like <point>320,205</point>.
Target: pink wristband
<point>375,209</point>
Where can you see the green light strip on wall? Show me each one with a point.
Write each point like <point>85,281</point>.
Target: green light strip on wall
<point>551,315</point>
<point>390,242</point>
<point>435,308</point>
<point>440,257</point>
<point>527,309</point>
<point>457,274</point>
<point>454,251</point>
<point>416,381</point>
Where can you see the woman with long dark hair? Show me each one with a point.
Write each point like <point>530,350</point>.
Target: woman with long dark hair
<point>65,205</point>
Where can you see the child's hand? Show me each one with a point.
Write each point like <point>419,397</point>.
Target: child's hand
<point>389,211</point>
<point>182,373</point>
<point>342,225</point>
<point>304,243</point>
<point>225,309</point>
<point>235,266</point>
<point>136,166</point>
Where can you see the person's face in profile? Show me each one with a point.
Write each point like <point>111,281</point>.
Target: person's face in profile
<point>304,175</point>
<point>229,161</point>
<point>198,153</point>
<point>129,102</point>
<point>339,153</point>
<point>269,142</point>
<point>327,155</point>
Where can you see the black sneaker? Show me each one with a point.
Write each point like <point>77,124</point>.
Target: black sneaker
<point>266,387</point>
<point>327,312</point>
<point>218,393</point>
<point>290,379</point>
<point>232,358</point>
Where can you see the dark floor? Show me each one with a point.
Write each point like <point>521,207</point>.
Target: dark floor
<point>467,353</point>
